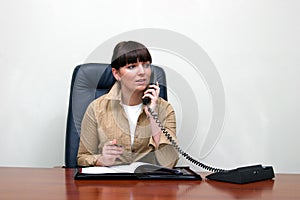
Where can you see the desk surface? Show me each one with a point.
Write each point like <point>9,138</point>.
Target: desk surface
<point>58,183</point>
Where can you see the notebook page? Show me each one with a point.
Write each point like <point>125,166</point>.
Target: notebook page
<point>97,170</point>
<point>113,169</point>
<point>128,168</point>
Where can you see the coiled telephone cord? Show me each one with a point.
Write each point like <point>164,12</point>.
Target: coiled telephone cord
<point>178,148</point>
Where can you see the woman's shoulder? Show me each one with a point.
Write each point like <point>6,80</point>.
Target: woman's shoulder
<point>163,101</point>
<point>98,102</point>
<point>164,104</point>
<point>99,99</point>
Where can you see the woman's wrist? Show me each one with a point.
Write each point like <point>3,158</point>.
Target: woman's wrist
<point>98,161</point>
<point>158,133</point>
<point>156,138</point>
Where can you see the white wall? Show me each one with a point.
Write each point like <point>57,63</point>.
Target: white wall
<point>253,45</point>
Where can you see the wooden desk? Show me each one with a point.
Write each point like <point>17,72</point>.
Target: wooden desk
<point>58,183</point>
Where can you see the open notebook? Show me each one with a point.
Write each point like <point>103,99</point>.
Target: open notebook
<point>136,170</point>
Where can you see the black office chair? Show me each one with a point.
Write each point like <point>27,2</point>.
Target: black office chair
<point>89,81</point>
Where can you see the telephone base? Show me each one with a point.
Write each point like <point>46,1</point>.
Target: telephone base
<point>244,174</point>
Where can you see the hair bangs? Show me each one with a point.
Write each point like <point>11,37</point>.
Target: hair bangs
<point>138,55</point>
<point>130,52</point>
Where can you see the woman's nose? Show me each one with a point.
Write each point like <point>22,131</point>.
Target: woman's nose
<point>141,69</point>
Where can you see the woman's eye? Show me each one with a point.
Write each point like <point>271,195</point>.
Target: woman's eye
<point>131,67</point>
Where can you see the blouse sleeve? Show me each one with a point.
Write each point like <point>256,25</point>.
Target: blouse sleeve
<point>166,153</point>
<point>88,146</point>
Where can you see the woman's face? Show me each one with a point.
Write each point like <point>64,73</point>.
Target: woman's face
<point>134,76</point>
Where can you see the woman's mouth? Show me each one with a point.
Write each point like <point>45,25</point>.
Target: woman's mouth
<point>141,81</point>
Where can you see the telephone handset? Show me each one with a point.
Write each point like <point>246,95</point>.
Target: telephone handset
<point>147,100</point>
<point>239,175</point>
<point>153,81</point>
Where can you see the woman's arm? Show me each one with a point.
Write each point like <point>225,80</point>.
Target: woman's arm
<point>88,146</point>
<point>165,152</point>
<point>88,153</point>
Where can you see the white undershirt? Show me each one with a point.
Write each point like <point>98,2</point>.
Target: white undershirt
<point>132,113</point>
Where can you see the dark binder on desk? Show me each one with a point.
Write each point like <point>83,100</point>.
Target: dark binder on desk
<point>137,171</point>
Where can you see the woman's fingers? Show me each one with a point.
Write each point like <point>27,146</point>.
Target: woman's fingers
<point>111,148</point>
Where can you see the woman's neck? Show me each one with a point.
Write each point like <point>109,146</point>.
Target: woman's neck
<point>132,99</point>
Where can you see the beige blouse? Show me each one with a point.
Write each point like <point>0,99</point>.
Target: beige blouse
<point>105,120</point>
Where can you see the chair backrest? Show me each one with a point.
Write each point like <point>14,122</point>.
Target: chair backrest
<point>90,81</point>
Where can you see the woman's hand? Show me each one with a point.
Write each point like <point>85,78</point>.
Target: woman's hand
<point>110,152</point>
<point>153,93</point>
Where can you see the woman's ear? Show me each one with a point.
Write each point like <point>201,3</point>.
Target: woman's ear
<point>116,74</point>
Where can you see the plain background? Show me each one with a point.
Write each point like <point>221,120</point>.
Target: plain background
<point>254,45</point>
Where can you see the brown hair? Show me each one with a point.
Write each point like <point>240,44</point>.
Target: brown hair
<point>129,52</point>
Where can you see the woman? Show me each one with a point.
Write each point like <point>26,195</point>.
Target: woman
<point>117,128</point>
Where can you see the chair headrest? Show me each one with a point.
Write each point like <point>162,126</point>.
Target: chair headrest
<point>107,79</point>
